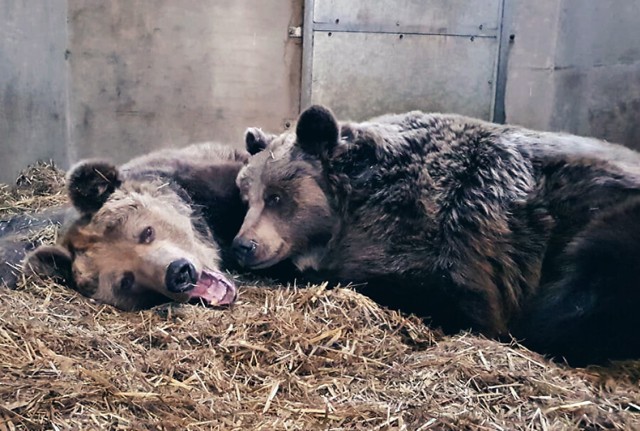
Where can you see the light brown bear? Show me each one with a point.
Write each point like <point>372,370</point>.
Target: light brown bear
<point>149,232</point>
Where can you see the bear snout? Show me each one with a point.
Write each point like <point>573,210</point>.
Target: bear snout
<point>181,276</point>
<point>244,249</point>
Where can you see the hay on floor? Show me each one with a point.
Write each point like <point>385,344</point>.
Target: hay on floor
<point>38,187</point>
<point>281,358</point>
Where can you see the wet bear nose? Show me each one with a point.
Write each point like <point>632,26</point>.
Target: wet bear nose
<point>181,276</point>
<point>244,248</point>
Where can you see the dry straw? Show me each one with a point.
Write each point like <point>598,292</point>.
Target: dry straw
<point>280,359</point>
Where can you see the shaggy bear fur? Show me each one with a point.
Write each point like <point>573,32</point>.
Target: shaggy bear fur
<point>151,231</point>
<point>476,225</point>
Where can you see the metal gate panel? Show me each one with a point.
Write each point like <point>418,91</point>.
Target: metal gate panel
<point>462,17</point>
<point>364,58</point>
<point>363,74</point>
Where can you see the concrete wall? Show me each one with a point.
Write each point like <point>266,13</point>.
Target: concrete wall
<point>575,66</point>
<point>90,78</point>
<point>33,84</point>
<point>118,78</point>
<point>148,74</point>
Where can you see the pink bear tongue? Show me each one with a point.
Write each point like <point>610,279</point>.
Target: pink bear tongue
<point>214,289</point>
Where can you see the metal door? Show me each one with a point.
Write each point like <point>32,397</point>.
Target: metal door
<point>365,58</point>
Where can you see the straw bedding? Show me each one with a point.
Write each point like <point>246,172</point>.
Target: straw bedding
<point>283,358</point>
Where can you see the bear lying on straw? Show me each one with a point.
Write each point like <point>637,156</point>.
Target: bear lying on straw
<point>477,225</point>
<point>150,231</point>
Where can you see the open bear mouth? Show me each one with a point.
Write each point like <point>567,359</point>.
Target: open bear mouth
<point>213,288</point>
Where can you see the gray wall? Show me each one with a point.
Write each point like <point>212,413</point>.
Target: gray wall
<point>33,84</point>
<point>148,74</point>
<point>89,78</point>
<point>572,65</point>
<point>575,66</point>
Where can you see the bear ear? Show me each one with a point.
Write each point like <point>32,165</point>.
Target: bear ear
<point>256,140</point>
<point>317,131</point>
<point>50,261</point>
<point>90,183</point>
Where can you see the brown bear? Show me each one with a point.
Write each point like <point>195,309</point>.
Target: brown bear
<point>476,225</point>
<point>151,231</point>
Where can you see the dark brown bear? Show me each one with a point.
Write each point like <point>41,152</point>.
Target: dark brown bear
<point>150,231</point>
<point>477,225</point>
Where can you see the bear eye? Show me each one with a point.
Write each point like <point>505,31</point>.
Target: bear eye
<point>147,235</point>
<point>127,281</point>
<point>273,200</point>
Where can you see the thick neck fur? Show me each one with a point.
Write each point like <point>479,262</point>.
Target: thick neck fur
<point>421,195</point>
<point>406,201</point>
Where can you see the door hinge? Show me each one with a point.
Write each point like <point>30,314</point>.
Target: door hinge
<point>295,32</point>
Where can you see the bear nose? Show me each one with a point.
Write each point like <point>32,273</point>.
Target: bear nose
<point>181,276</point>
<point>244,248</point>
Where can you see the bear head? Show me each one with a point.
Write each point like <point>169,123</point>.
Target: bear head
<point>284,184</point>
<point>132,244</point>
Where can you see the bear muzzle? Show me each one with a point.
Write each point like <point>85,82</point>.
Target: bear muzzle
<point>181,276</point>
<point>244,250</point>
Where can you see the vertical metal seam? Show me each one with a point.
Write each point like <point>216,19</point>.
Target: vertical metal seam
<point>71,151</point>
<point>498,114</point>
<point>307,54</point>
